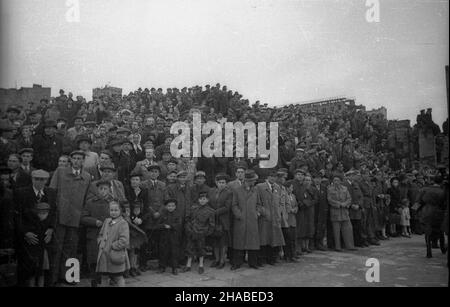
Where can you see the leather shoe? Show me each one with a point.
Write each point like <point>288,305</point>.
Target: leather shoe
<point>214,264</point>
<point>201,270</point>
<point>220,266</point>
<point>235,267</point>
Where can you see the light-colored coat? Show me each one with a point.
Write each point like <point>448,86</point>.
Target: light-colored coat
<point>71,195</point>
<point>114,235</point>
<point>270,232</point>
<point>339,200</point>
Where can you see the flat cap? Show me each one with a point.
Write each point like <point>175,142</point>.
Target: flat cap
<point>182,174</point>
<point>24,150</point>
<point>154,167</point>
<point>77,152</point>
<point>40,173</point>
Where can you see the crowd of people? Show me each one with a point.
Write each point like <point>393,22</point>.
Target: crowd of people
<point>97,181</point>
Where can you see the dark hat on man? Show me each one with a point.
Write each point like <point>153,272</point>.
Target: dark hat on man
<point>222,176</point>
<point>123,130</point>
<point>83,138</point>
<point>90,123</point>
<point>61,119</point>
<point>136,173</point>
<point>127,141</point>
<point>13,109</point>
<point>203,193</point>
<point>200,174</point>
<point>173,161</point>
<point>77,117</point>
<point>154,167</point>
<point>103,182</point>
<point>78,152</point>
<point>50,123</point>
<point>250,175</point>
<point>299,170</point>
<point>109,166</point>
<point>106,152</point>
<point>24,150</point>
<point>116,142</point>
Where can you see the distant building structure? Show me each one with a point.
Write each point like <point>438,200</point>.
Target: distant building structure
<point>332,105</point>
<point>23,96</point>
<point>380,112</point>
<point>107,91</point>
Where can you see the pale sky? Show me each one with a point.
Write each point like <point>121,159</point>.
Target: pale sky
<point>278,52</point>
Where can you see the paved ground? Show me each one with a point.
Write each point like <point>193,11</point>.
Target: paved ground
<point>402,263</point>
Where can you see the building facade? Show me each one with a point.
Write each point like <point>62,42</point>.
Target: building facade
<point>107,91</point>
<point>23,96</point>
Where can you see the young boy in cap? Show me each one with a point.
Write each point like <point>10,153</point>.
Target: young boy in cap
<point>37,263</point>
<point>200,223</point>
<point>169,243</point>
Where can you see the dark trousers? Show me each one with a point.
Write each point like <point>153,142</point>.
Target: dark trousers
<point>289,237</point>
<point>368,223</point>
<point>267,254</point>
<point>344,228</point>
<point>239,255</point>
<point>357,231</point>
<point>66,243</point>
<point>330,236</point>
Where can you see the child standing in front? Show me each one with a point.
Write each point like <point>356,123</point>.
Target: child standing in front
<point>200,223</point>
<point>113,242</point>
<point>405,218</point>
<point>169,243</point>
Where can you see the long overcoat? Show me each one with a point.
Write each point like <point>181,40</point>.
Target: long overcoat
<point>269,222</point>
<point>246,207</point>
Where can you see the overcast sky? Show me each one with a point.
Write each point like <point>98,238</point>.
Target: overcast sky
<point>277,52</point>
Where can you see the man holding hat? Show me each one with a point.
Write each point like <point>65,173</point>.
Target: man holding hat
<point>25,199</point>
<point>71,184</point>
<point>47,147</point>
<point>246,208</point>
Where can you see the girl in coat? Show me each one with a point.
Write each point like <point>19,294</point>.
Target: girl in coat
<point>405,218</point>
<point>113,241</point>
